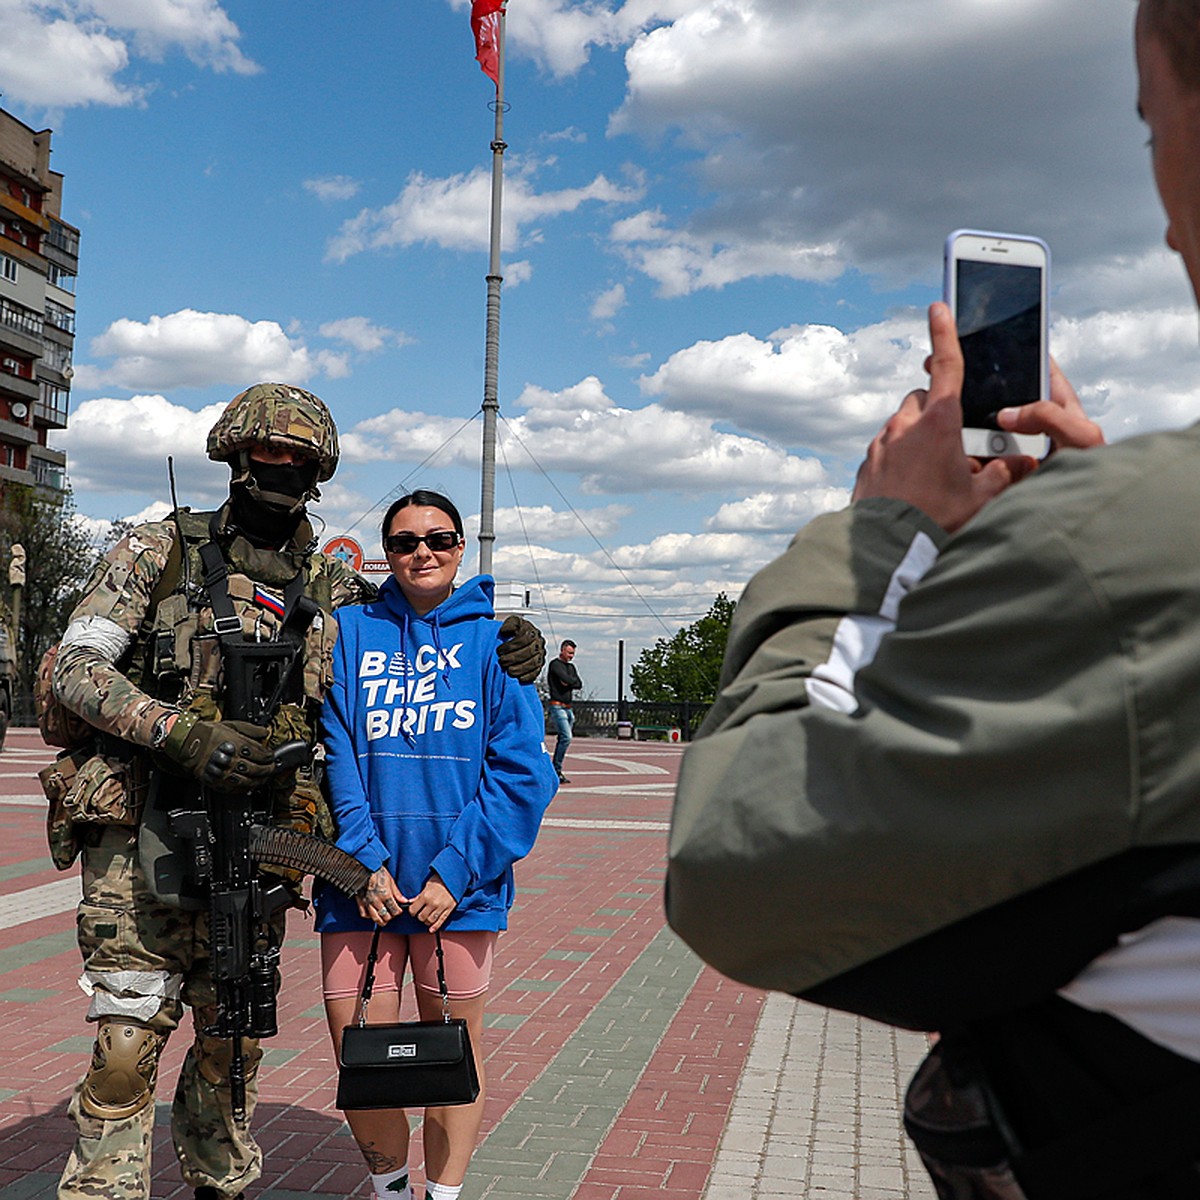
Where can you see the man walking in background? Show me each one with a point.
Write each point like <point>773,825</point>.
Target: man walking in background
<point>563,680</point>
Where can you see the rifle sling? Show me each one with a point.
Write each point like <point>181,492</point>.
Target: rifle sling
<point>298,614</point>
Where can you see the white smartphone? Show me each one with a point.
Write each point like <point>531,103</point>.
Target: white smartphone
<point>997,286</point>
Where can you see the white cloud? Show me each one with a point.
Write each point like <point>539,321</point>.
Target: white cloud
<point>201,28</point>
<point>580,431</point>
<point>199,349</point>
<point>807,385</point>
<point>570,134</point>
<point>609,303</point>
<point>155,511</point>
<point>663,566</point>
<point>60,55</point>
<point>777,512</point>
<point>681,262</point>
<point>816,387</point>
<point>545,524</point>
<point>1135,371</point>
<point>559,34</point>
<point>364,335</point>
<point>862,134</point>
<point>1153,280</point>
<point>54,62</point>
<point>455,212</point>
<point>118,445</point>
<point>517,273</point>
<point>331,188</point>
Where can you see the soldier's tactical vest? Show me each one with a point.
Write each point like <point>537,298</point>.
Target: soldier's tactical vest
<point>177,656</point>
<point>245,634</point>
<point>184,654</point>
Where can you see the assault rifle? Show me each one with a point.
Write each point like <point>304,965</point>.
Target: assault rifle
<point>229,841</point>
<point>230,833</point>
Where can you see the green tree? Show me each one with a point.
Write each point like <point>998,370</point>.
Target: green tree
<point>59,556</point>
<point>688,665</point>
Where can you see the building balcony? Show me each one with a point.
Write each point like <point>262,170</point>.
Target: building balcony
<point>47,477</point>
<point>60,317</point>
<point>48,468</point>
<point>13,433</point>
<point>29,215</point>
<point>19,321</point>
<point>65,240</point>
<point>16,475</point>
<point>51,417</point>
<point>52,403</point>
<point>17,387</point>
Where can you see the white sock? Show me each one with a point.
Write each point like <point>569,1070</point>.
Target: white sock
<point>441,1191</point>
<point>392,1186</point>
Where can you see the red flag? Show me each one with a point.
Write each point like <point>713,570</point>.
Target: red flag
<point>485,25</point>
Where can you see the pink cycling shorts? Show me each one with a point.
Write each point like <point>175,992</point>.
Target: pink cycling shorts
<point>468,956</point>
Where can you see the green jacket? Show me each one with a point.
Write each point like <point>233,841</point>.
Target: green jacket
<point>913,728</point>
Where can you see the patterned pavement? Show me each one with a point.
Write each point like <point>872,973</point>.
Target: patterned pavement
<point>619,1068</point>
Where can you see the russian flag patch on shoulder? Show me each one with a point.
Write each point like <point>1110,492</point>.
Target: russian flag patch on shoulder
<point>265,599</point>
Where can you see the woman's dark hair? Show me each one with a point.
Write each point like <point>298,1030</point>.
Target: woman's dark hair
<point>423,498</point>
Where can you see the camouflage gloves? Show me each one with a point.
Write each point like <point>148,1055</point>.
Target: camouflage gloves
<point>227,755</point>
<point>522,649</point>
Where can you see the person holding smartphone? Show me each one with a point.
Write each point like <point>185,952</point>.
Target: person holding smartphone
<point>954,757</point>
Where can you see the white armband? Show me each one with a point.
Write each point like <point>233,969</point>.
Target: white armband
<point>106,637</point>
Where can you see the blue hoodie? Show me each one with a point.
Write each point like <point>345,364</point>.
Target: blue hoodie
<point>435,755</point>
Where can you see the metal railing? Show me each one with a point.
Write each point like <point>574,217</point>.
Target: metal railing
<point>60,317</point>
<point>24,320</point>
<point>653,718</point>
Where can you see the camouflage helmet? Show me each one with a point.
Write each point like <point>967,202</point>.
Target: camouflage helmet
<point>276,414</point>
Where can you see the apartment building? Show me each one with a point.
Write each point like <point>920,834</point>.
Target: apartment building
<point>39,256</point>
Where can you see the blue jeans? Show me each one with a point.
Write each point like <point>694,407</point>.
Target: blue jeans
<point>564,721</point>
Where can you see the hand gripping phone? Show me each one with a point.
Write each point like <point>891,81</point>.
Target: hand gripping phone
<point>997,286</point>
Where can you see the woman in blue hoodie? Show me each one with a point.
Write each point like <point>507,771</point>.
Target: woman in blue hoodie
<point>438,780</point>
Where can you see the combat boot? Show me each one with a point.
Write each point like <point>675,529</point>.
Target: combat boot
<point>210,1193</point>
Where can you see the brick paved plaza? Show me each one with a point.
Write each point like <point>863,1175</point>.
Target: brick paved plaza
<point>618,1067</point>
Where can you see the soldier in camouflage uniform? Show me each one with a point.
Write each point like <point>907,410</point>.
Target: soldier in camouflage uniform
<point>141,664</point>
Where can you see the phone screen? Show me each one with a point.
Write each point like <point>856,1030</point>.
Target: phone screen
<point>999,326</point>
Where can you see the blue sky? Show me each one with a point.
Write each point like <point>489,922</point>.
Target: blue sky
<point>724,219</point>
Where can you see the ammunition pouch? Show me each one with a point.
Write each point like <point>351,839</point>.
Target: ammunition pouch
<point>120,1081</point>
<point>87,786</point>
<point>57,779</point>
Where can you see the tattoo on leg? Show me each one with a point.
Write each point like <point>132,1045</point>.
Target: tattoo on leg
<point>379,1163</point>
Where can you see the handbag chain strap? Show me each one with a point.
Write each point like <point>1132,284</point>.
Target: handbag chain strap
<point>369,979</point>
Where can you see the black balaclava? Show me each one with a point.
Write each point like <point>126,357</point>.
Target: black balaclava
<point>267,499</point>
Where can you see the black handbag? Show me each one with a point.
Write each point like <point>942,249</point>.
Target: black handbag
<point>406,1064</point>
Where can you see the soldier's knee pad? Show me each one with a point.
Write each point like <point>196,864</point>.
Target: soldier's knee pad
<point>120,1081</point>
<point>214,1056</point>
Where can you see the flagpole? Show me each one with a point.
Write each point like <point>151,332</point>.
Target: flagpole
<point>491,369</point>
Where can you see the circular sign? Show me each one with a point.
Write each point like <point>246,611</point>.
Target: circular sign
<point>345,548</point>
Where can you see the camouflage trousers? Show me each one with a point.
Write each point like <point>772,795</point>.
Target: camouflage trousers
<point>124,927</point>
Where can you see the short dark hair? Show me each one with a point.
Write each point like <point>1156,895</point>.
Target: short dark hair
<point>1176,24</point>
<point>567,642</point>
<point>422,498</point>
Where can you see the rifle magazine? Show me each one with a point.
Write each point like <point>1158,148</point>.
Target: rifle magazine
<point>276,846</point>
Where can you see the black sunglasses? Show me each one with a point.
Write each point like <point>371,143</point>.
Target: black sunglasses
<point>406,543</point>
